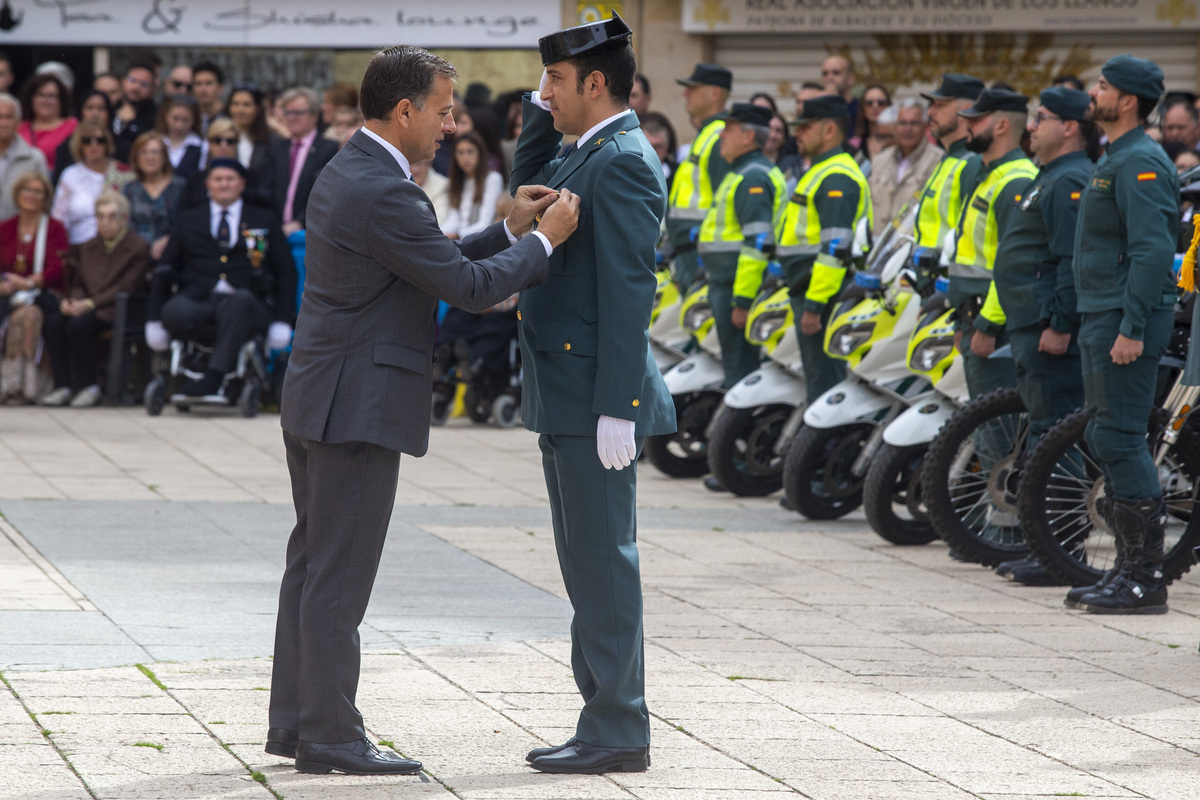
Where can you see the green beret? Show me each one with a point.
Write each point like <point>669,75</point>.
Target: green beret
<point>1134,76</point>
<point>1066,103</point>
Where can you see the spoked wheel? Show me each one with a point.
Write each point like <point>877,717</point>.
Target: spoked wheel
<point>970,478</point>
<point>817,474</point>
<point>684,454</point>
<point>741,450</point>
<point>893,499</point>
<point>1059,488</point>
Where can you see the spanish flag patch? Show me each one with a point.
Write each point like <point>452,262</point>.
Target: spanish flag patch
<point>1017,199</point>
<point>835,192</point>
<point>1147,176</point>
<point>1074,195</point>
<point>756,190</point>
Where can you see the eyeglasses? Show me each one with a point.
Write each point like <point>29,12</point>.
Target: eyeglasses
<point>1039,118</point>
<point>877,102</point>
<point>85,140</point>
<point>296,113</point>
<point>50,95</point>
<point>223,140</point>
<point>185,86</point>
<point>37,190</point>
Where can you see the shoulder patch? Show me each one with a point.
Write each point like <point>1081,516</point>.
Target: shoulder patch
<point>1017,199</point>
<point>1147,176</point>
<point>1075,195</point>
<point>757,190</point>
<point>835,193</point>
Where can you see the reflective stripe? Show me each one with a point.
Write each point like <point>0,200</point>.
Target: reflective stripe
<point>692,189</point>
<point>979,234</point>
<point>721,225</point>
<point>755,228</point>
<point>797,249</point>
<point>941,202</point>
<point>801,224</point>
<point>830,234</point>
<point>719,247</point>
<point>751,254</point>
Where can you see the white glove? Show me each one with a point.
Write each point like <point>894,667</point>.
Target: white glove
<point>279,336</point>
<point>614,442</point>
<point>224,287</point>
<point>536,97</point>
<point>157,337</point>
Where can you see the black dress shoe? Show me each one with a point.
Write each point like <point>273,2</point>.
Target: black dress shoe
<point>281,742</point>
<point>538,752</point>
<point>713,485</point>
<point>582,758</point>
<point>360,757</point>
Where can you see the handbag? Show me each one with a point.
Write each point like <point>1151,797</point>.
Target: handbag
<point>27,297</point>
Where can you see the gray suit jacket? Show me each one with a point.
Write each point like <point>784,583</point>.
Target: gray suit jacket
<point>376,265</point>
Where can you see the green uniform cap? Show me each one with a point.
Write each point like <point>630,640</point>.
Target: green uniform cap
<point>955,86</point>
<point>827,106</point>
<point>1066,103</point>
<point>996,100</point>
<point>709,75</point>
<point>1134,76</point>
<point>749,113</point>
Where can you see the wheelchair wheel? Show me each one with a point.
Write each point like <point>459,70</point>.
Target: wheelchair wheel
<point>478,407</point>
<point>506,411</point>
<point>248,400</point>
<point>440,409</point>
<point>155,396</point>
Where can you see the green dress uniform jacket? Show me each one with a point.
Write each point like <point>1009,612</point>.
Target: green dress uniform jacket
<point>584,342</point>
<point>1127,234</point>
<point>1033,271</point>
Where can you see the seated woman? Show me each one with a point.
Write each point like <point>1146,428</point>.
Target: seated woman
<point>94,171</point>
<point>116,261</point>
<point>178,123</point>
<point>156,197</point>
<point>223,140</point>
<point>32,249</point>
<point>474,188</point>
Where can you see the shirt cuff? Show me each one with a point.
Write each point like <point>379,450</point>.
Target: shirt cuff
<point>536,98</point>
<point>513,239</point>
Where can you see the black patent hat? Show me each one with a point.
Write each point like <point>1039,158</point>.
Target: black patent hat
<point>595,36</point>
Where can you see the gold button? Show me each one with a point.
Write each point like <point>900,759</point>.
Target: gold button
<point>567,346</point>
<point>636,403</point>
<point>224,259</point>
<point>518,315</point>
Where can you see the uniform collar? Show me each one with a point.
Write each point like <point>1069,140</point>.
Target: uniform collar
<point>595,129</point>
<point>1126,139</point>
<point>958,148</point>
<point>1011,155</point>
<point>746,158</point>
<point>715,117</point>
<point>1064,160</point>
<point>835,151</point>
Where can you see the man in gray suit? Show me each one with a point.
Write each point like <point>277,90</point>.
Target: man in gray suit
<point>358,386</point>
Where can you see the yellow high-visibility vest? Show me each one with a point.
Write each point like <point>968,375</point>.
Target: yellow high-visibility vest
<point>941,203</point>
<point>692,189</point>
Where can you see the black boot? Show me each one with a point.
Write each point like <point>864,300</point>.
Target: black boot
<point>1139,588</point>
<point>1104,506</point>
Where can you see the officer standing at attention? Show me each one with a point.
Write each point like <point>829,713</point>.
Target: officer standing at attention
<point>1035,282</point>
<point>592,389</point>
<point>825,210</point>
<point>994,127</point>
<point>1124,253</point>
<point>705,94</point>
<point>956,175</point>
<point>738,233</point>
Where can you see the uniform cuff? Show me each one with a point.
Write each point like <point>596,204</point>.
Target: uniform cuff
<point>1061,324</point>
<point>742,302</point>
<point>1131,331</point>
<point>987,326</point>
<point>815,306</point>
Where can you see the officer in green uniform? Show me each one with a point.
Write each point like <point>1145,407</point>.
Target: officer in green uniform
<point>705,94</point>
<point>1124,253</point>
<point>958,172</point>
<point>825,210</point>
<point>994,127</point>
<point>1035,283</point>
<point>739,232</point>
<point>591,387</point>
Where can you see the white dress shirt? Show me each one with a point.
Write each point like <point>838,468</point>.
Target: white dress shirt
<point>235,219</point>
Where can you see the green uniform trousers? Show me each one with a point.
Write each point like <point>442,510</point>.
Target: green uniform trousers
<point>1119,400</point>
<point>593,510</point>
<point>1050,385</point>
<point>738,357</point>
<point>821,371</point>
<point>986,374</point>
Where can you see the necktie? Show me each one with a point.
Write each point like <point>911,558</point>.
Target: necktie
<point>292,159</point>
<point>223,231</point>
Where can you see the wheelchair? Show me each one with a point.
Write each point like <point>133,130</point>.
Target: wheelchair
<point>244,387</point>
<point>482,352</point>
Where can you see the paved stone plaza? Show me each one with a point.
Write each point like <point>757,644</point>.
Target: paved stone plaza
<point>140,558</point>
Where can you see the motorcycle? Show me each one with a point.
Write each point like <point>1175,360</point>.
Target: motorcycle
<point>669,341</point>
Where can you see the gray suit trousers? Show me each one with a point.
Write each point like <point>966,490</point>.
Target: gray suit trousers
<point>343,495</point>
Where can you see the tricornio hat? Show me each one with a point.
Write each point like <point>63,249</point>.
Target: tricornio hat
<point>607,34</point>
<point>1066,103</point>
<point>826,106</point>
<point>709,75</point>
<point>226,163</point>
<point>996,100</point>
<point>955,86</point>
<point>1134,75</point>
<point>750,114</point>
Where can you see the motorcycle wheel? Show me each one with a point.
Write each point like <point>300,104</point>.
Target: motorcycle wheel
<point>741,449</point>
<point>970,478</point>
<point>684,454</point>
<point>1058,493</point>
<point>892,497</point>
<point>816,472</point>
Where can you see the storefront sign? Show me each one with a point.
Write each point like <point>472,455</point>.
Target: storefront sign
<point>936,16</point>
<point>279,23</point>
